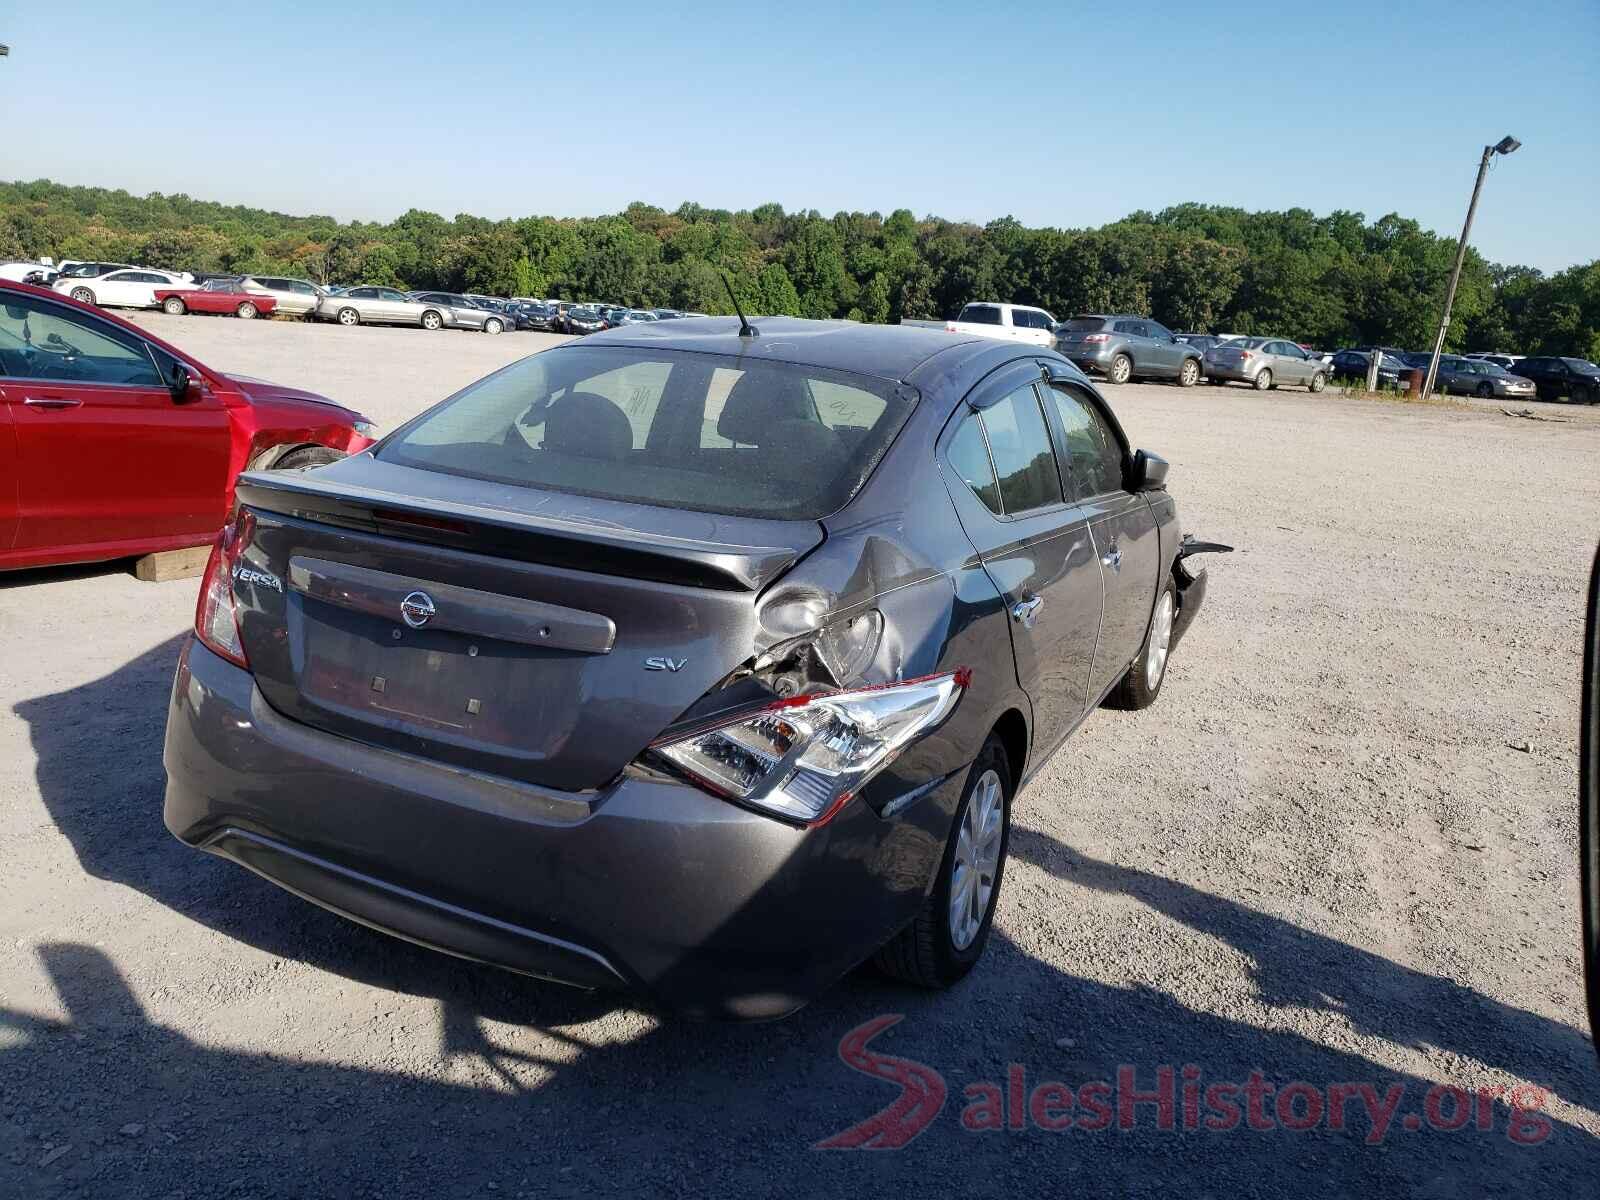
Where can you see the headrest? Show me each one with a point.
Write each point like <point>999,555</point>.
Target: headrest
<point>588,424</point>
<point>759,400</point>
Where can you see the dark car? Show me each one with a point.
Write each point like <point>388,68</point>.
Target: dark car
<point>114,443</point>
<point>1576,379</point>
<point>1352,365</point>
<point>1125,347</point>
<point>679,660</point>
<point>583,319</point>
<point>542,317</point>
<point>1200,341</point>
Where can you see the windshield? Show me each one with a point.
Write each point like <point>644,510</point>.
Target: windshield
<point>1581,364</point>
<point>663,427</point>
<point>1083,324</point>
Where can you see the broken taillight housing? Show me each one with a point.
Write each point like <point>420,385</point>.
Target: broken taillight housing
<point>216,622</point>
<point>801,759</point>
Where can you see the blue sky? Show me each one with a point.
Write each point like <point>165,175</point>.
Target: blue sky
<point>1059,114</point>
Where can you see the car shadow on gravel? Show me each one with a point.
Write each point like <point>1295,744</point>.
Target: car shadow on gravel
<point>572,1103</point>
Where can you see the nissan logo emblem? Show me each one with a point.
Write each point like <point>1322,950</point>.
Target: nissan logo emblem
<point>417,609</point>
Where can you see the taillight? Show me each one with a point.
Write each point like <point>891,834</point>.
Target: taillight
<point>1244,356</point>
<point>801,759</point>
<point>1097,337</point>
<point>216,621</point>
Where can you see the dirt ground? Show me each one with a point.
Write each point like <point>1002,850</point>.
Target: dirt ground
<point>1339,850</point>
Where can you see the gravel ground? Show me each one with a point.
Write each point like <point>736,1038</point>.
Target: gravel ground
<point>1339,850</point>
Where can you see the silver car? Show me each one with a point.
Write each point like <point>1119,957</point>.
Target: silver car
<point>465,312</point>
<point>1265,363</point>
<point>368,304</point>
<point>297,297</point>
<point>1474,377</point>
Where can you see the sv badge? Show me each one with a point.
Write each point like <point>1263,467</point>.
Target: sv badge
<point>665,664</point>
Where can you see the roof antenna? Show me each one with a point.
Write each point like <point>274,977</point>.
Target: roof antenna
<point>745,328</point>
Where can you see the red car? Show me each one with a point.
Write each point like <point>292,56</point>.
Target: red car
<point>114,443</point>
<point>215,296</point>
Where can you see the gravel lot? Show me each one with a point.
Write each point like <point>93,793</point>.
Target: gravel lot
<point>1340,849</point>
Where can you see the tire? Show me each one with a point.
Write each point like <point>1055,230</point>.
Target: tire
<point>432,320</point>
<point>1581,394</point>
<point>82,295</point>
<point>1318,382</point>
<point>1189,373</point>
<point>1485,390</point>
<point>307,456</point>
<point>1263,380</point>
<point>246,311</point>
<point>1121,369</point>
<point>348,316</point>
<point>494,325</point>
<point>174,306</point>
<point>926,952</point>
<point>1142,684</point>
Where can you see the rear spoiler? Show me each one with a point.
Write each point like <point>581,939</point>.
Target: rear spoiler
<point>520,536</point>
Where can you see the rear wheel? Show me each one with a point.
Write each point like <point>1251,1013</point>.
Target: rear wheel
<point>1142,684</point>
<point>1263,380</point>
<point>432,320</point>
<point>83,295</point>
<point>174,306</point>
<point>493,325</point>
<point>246,311</point>
<point>1318,382</point>
<point>349,316</point>
<point>1581,394</point>
<point>947,937</point>
<point>307,456</point>
<point>1189,373</point>
<point>1121,369</point>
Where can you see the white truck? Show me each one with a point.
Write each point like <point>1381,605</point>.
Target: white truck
<point>1008,322</point>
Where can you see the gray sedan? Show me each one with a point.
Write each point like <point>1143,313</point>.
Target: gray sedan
<point>1472,377</point>
<point>464,313</point>
<point>372,305</point>
<point>1265,363</point>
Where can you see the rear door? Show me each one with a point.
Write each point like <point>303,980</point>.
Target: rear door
<point>1004,479</point>
<point>104,455</point>
<point>1120,524</point>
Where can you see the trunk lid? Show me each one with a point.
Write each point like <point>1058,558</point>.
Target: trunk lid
<point>530,634</point>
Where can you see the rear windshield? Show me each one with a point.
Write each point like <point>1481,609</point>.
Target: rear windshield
<point>1083,324</point>
<point>670,428</point>
<point>1250,343</point>
<point>980,314</point>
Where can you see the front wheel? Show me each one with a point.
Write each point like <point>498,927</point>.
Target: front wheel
<point>174,306</point>
<point>1318,382</point>
<point>1142,684</point>
<point>1485,390</point>
<point>247,311</point>
<point>1189,373</point>
<point>349,316</point>
<point>1263,380</point>
<point>307,456</point>
<point>947,937</point>
<point>83,295</point>
<point>1121,369</point>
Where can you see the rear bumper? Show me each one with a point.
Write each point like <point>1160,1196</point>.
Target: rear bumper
<point>1091,360</point>
<point>1237,372</point>
<point>649,884</point>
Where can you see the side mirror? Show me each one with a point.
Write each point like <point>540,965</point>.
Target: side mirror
<point>1147,472</point>
<point>179,383</point>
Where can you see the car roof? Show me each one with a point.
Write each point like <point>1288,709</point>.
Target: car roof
<point>882,351</point>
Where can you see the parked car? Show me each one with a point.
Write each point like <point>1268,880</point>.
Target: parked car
<point>1126,347</point>
<point>582,319</point>
<point>18,272</point>
<point>635,316</point>
<point>1200,341</point>
<point>464,312</point>
<point>1508,361</point>
<point>580,703</point>
<point>132,288</point>
<point>666,314</point>
<point>545,317</point>
<point>1466,377</point>
<point>1352,365</point>
<point>369,304</point>
<point>1265,363</point>
<point>1576,379</point>
<point>114,443</point>
<point>295,297</point>
<point>1009,322</point>
<point>226,296</point>
<point>73,269</point>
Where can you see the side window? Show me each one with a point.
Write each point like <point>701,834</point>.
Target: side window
<point>1019,444</point>
<point>1126,327</point>
<point>980,314</point>
<point>969,457</point>
<point>39,342</point>
<point>1159,332</point>
<point>1095,452</point>
<point>362,293</point>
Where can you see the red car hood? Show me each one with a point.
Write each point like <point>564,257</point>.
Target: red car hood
<point>265,390</point>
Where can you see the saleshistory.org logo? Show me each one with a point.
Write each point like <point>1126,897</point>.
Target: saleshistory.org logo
<point>1169,1099</point>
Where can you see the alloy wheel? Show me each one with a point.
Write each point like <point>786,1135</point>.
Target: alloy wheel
<point>1155,659</point>
<point>976,862</point>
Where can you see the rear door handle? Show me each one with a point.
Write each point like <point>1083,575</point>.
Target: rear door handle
<point>51,402</point>
<point>1026,612</point>
<point>1113,558</point>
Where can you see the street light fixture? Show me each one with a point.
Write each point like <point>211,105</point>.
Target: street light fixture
<point>1506,145</point>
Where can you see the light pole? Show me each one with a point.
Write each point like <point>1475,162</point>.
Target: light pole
<point>1505,145</point>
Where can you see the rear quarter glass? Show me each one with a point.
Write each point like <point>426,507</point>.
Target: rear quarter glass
<point>669,428</point>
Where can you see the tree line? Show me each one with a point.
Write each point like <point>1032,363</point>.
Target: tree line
<point>1330,281</point>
